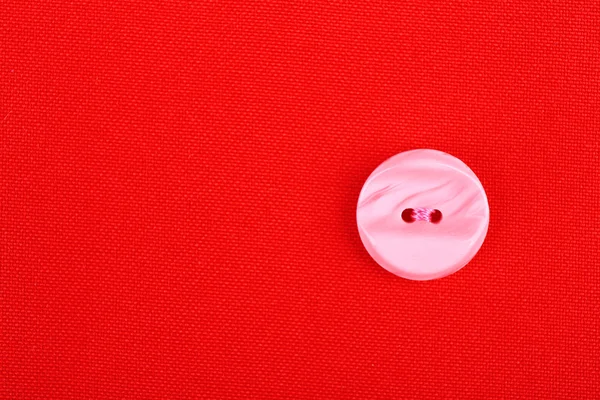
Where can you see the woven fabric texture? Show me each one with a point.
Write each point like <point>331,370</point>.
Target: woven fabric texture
<point>178,183</point>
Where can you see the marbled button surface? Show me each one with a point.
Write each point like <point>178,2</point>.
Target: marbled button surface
<point>422,179</point>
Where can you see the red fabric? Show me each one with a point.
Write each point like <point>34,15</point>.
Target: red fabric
<point>178,190</point>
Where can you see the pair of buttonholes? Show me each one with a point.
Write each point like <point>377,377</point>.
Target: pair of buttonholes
<point>431,215</point>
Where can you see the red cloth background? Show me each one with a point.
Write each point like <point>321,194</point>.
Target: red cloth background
<point>178,190</point>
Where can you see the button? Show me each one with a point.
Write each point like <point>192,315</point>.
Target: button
<point>422,214</point>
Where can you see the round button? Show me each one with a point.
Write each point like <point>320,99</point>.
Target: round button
<point>422,214</point>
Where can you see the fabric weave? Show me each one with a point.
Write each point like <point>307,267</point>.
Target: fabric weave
<point>178,183</point>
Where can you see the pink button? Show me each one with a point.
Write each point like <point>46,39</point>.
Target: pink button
<point>422,214</point>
